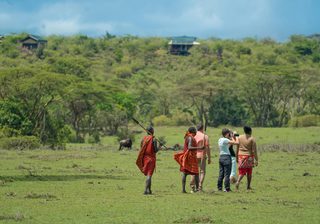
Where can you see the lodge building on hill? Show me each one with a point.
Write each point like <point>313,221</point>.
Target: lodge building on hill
<point>181,45</point>
<point>33,42</point>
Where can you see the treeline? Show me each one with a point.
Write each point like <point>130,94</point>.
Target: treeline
<point>79,86</point>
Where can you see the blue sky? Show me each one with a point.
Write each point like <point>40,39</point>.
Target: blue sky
<point>234,19</point>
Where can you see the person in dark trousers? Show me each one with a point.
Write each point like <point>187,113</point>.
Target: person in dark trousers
<point>146,160</point>
<point>225,159</point>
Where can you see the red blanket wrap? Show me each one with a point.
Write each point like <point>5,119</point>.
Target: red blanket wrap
<point>146,160</point>
<point>187,159</point>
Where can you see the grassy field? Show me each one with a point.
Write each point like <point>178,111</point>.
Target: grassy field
<point>264,136</point>
<point>105,186</point>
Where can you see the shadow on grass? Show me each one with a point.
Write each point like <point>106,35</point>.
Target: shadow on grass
<point>59,177</point>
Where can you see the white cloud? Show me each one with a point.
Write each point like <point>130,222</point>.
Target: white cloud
<point>64,27</point>
<point>73,26</point>
<point>201,17</point>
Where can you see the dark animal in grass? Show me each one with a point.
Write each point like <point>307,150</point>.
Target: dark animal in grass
<point>175,147</point>
<point>125,143</point>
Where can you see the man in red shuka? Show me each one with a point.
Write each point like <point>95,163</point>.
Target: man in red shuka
<point>188,158</point>
<point>146,160</point>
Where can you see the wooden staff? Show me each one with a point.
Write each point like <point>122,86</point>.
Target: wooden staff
<point>137,122</point>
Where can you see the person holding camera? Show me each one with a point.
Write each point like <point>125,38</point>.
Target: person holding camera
<point>246,156</point>
<point>225,159</point>
<point>233,175</point>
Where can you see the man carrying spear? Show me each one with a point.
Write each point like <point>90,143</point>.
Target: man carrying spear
<point>146,160</point>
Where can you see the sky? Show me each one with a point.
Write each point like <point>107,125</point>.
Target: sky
<point>226,19</point>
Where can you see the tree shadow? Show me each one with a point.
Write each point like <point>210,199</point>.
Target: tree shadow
<point>59,177</point>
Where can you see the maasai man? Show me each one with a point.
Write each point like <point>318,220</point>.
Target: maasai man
<point>246,156</point>
<point>202,155</point>
<point>146,160</point>
<point>188,158</point>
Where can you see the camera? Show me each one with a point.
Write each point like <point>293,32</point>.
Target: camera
<point>232,134</point>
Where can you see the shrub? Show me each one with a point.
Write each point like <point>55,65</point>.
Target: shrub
<point>65,134</point>
<point>124,133</point>
<point>181,118</point>
<point>20,143</point>
<point>123,72</point>
<point>305,121</point>
<point>163,140</point>
<point>8,132</point>
<point>94,138</point>
<point>161,120</point>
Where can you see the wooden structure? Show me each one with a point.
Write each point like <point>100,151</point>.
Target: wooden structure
<point>181,45</point>
<point>33,42</point>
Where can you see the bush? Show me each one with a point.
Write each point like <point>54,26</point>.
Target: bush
<point>161,120</point>
<point>182,119</point>
<point>20,143</point>
<point>123,72</point>
<point>305,121</point>
<point>9,132</point>
<point>94,138</point>
<point>163,141</point>
<point>65,134</point>
<point>124,133</point>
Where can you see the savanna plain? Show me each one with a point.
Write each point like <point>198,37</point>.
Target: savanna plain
<point>99,184</point>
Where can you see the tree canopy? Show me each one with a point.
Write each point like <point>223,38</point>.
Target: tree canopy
<point>92,86</point>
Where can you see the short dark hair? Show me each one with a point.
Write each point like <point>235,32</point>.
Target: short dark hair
<point>200,127</point>
<point>192,130</point>
<point>225,131</point>
<point>150,130</point>
<point>247,130</point>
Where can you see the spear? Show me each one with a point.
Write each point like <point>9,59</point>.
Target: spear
<point>137,122</point>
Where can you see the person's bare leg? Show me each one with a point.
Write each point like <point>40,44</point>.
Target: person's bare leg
<point>196,178</point>
<point>193,183</point>
<point>148,185</point>
<point>238,182</point>
<point>184,178</point>
<point>201,180</point>
<point>249,177</point>
<point>202,174</point>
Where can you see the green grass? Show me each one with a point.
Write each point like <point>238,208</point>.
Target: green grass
<point>105,186</point>
<point>264,136</point>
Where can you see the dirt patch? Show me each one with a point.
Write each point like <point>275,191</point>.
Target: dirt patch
<point>199,219</point>
<point>16,217</point>
<point>289,148</point>
<point>46,196</point>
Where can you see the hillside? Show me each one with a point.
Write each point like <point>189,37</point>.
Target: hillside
<point>79,85</point>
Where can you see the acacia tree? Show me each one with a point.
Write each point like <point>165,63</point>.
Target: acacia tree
<point>227,108</point>
<point>197,93</point>
<point>308,100</point>
<point>37,91</point>
<point>81,102</point>
<point>268,93</point>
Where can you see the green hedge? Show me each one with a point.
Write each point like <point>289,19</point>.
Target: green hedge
<point>20,143</point>
<point>177,119</point>
<point>305,121</point>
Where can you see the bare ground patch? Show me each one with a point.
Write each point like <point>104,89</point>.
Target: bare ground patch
<point>289,148</point>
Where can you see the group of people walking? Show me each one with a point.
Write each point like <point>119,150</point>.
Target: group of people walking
<point>196,154</point>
